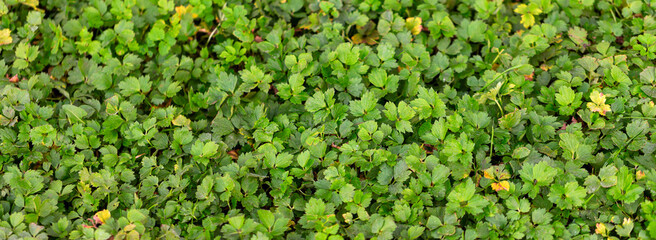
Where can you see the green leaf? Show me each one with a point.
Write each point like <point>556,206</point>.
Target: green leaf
<point>463,195</point>
<point>402,211</point>
<point>626,190</point>
<point>567,197</point>
<point>565,96</point>
<point>347,54</point>
<point>608,176</point>
<point>415,232</point>
<point>648,75</point>
<point>316,102</point>
<point>209,149</point>
<point>135,215</point>
<point>578,35</point>
<point>636,128</point>
<point>476,31</point>
<point>405,111</point>
<point>540,174</point>
<point>385,52</point>
<point>74,113</point>
<point>510,120</point>
<point>129,86</point>
<point>266,217</point>
<point>619,76</point>
<point>205,188</point>
<point>521,152</point>
<point>378,78</point>
<point>541,216</point>
<point>346,193</point>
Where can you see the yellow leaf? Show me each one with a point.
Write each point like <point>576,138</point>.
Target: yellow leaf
<point>182,10</point>
<point>414,24</point>
<point>503,185</point>
<point>598,97</point>
<point>598,103</point>
<point>103,215</point>
<point>600,109</point>
<point>5,37</point>
<point>601,229</point>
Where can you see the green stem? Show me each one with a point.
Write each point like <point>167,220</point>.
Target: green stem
<point>492,141</point>
<point>586,201</point>
<point>502,73</point>
<point>497,57</point>
<point>345,33</point>
<point>648,118</point>
<point>499,105</point>
<point>622,147</point>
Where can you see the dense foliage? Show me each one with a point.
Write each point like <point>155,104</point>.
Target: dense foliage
<point>271,119</point>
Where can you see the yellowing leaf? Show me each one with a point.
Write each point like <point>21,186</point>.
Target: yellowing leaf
<point>532,9</point>
<point>369,40</point>
<point>521,8</point>
<point>357,39</point>
<point>600,109</point>
<point>181,121</point>
<point>5,37</point>
<point>598,103</point>
<point>528,13</point>
<point>546,67</point>
<point>496,172</point>
<point>558,38</point>
<point>598,97</point>
<point>103,215</point>
<point>488,173</point>
<point>312,22</point>
<point>31,3</point>
<point>601,229</point>
<point>527,20</point>
<point>414,24</point>
<point>182,10</point>
<point>503,185</point>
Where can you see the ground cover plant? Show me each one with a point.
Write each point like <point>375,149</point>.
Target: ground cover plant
<point>354,119</point>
